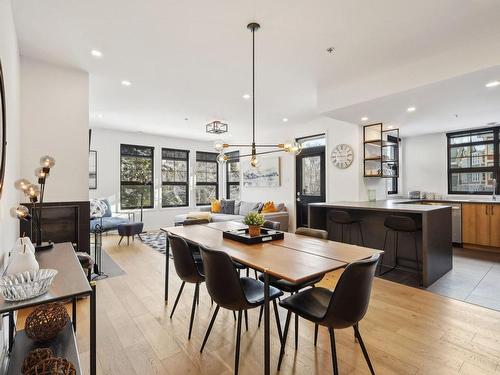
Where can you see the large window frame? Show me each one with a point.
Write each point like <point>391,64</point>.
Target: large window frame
<point>124,183</point>
<point>494,169</point>
<point>206,158</point>
<point>175,155</point>
<point>234,158</point>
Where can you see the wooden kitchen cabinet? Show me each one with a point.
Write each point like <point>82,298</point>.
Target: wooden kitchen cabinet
<point>481,224</point>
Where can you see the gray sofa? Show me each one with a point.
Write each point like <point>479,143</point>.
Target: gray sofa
<point>241,208</point>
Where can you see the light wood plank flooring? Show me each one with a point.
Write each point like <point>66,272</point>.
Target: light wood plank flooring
<point>406,330</point>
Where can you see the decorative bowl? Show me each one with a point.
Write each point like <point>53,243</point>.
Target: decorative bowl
<point>26,285</point>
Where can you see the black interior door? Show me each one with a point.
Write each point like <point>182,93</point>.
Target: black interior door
<point>310,181</point>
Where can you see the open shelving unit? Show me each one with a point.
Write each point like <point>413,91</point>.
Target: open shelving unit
<point>380,151</point>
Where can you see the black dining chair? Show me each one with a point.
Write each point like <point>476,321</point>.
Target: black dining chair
<point>341,308</point>
<point>231,292</point>
<point>344,218</point>
<point>292,288</point>
<point>188,270</point>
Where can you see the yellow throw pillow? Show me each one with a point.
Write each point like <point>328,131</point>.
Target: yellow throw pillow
<point>269,207</point>
<point>215,206</point>
<point>198,215</point>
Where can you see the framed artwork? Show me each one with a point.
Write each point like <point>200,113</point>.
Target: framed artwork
<point>266,174</point>
<point>92,169</point>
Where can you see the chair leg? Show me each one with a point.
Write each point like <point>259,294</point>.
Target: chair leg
<point>212,321</point>
<point>296,331</point>
<point>283,343</point>
<point>315,334</point>
<point>256,276</point>
<point>278,323</point>
<point>119,242</point>
<point>177,298</point>
<point>234,316</point>
<point>248,272</point>
<point>334,351</point>
<point>128,240</point>
<point>246,320</point>
<point>260,315</point>
<point>361,234</point>
<point>193,309</point>
<point>342,233</point>
<point>363,348</point>
<point>238,340</point>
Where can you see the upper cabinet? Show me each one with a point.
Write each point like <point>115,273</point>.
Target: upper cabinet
<point>381,151</point>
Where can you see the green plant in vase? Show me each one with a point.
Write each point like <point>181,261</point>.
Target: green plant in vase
<point>254,220</point>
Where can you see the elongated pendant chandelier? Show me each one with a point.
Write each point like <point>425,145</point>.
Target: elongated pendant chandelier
<point>221,146</point>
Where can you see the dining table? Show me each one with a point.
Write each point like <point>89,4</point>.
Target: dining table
<point>294,258</point>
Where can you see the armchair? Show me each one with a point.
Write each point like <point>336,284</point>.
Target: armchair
<point>110,221</point>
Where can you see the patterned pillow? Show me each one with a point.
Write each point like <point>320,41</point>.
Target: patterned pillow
<point>97,208</point>
<point>227,206</point>
<point>246,207</point>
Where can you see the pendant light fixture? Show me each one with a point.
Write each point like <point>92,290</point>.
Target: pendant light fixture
<point>220,146</point>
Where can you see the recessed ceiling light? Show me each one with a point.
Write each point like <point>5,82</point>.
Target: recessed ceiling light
<point>285,119</point>
<point>100,115</point>
<point>247,96</point>
<point>126,83</point>
<point>96,53</point>
<point>364,118</point>
<point>493,84</point>
<point>411,109</point>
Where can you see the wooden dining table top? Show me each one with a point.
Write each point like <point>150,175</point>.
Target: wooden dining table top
<point>295,258</point>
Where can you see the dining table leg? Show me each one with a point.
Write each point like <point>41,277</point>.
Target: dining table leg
<point>167,256</point>
<point>267,338</point>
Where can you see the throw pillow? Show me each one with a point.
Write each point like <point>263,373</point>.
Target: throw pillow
<point>281,207</point>
<point>198,215</point>
<point>108,212</point>
<point>237,205</point>
<point>215,206</point>
<point>227,206</point>
<point>268,207</point>
<point>246,207</point>
<point>97,208</point>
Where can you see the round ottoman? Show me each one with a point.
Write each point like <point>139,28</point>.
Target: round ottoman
<point>129,230</point>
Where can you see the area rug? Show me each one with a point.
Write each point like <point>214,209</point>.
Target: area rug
<point>155,240</point>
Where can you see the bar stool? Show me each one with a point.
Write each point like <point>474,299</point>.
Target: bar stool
<point>343,218</point>
<point>400,224</point>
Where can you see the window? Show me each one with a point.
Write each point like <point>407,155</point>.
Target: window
<point>207,177</point>
<point>233,173</point>
<point>136,176</point>
<point>473,161</point>
<point>174,177</point>
<point>312,141</point>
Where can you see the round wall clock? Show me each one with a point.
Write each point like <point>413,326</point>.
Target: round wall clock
<point>342,156</point>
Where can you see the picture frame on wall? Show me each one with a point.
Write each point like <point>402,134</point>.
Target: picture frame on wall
<point>92,169</point>
<point>266,174</point>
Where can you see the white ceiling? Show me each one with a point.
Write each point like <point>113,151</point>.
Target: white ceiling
<point>191,59</point>
<point>459,103</point>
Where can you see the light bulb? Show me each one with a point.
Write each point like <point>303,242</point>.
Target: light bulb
<point>254,162</point>
<point>33,191</point>
<point>222,158</point>
<point>20,212</point>
<point>40,172</point>
<point>22,184</point>
<point>47,161</point>
<point>219,145</point>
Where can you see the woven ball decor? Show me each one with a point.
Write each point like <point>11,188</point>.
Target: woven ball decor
<point>34,357</point>
<point>46,321</point>
<point>52,366</point>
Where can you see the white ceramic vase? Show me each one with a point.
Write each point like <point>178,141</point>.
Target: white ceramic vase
<point>22,257</point>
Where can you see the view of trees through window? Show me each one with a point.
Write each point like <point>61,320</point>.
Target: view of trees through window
<point>174,177</point>
<point>207,177</point>
<point>136,176</point>
<point>473,161</point>
<point>311,176</point>
<point>233,174</point>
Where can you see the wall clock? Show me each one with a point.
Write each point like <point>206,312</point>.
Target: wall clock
<point>342,156</point>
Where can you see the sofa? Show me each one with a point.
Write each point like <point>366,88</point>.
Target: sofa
<point>100,211</point>
<point>241,208</point>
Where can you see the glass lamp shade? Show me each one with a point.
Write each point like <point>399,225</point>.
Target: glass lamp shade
<point>222,158</point>
<point>254,162</point>
<point>41,173</point>
<point>20,212</point>
<point>293,147</point>
<point>22,184</point>
<point>47,161</point>
<point>219,145</point>
<point>33,191</point>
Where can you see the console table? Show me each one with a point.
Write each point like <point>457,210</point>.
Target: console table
<point>70,283</point>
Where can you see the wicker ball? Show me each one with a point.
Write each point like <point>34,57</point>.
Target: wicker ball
<point>46,321</point>
<point>36,356</point>
<point>52,366</point>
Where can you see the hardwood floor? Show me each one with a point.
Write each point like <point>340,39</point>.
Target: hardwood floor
<point>406,330</point>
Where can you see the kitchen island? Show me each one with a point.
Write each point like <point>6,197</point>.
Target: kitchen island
<point>434,241</point>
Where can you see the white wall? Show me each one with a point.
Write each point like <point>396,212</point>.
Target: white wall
<point>55,121</point>
<point>9,56</point>
<point>107,144</point>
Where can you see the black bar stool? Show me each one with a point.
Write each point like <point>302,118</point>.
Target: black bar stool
<point>343,218</point>
<point>400,224</point>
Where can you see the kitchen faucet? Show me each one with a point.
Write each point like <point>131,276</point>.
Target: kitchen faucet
<point>494,196</point>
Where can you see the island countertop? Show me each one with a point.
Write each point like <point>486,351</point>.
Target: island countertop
<point>394,205</point>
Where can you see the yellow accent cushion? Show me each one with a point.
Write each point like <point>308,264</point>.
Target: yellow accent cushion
<point>269,207</point>
<point>215,206</point>
<point>198,215</point>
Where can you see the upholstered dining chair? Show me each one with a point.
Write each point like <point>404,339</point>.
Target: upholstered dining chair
<point>231,292</point>
<point>188,270</point>
<point>342,308</point>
